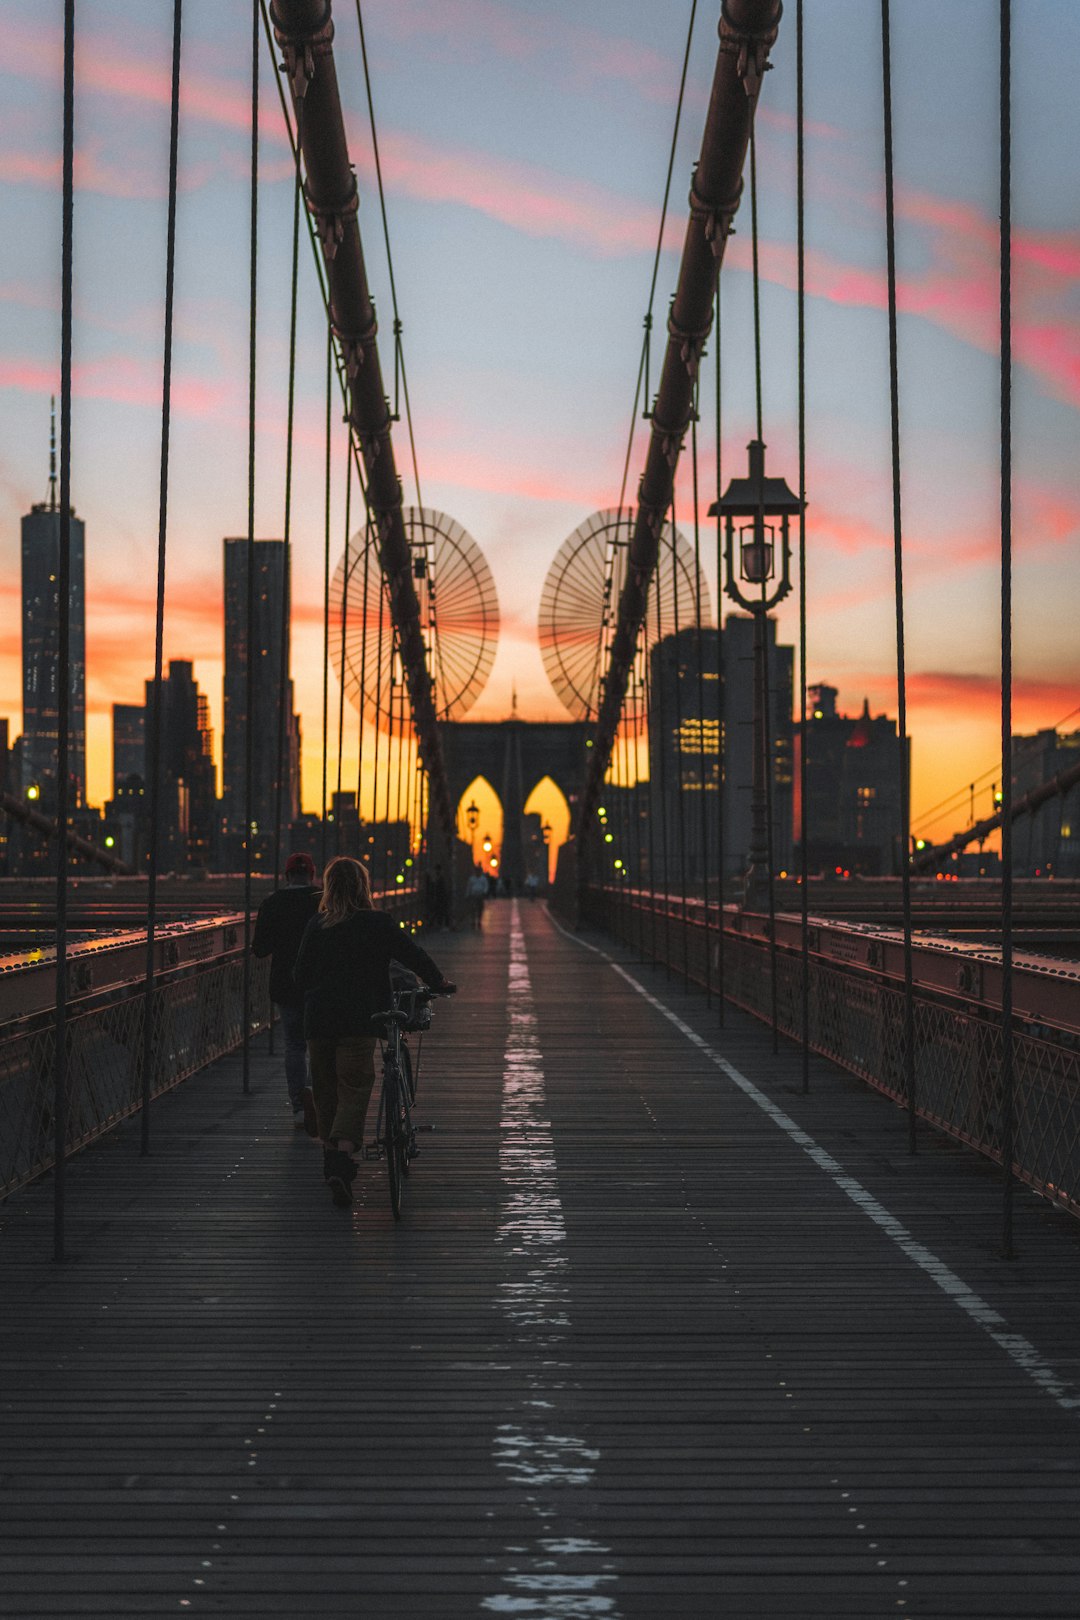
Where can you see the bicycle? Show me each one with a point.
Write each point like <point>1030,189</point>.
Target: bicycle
<point>395,1133</point>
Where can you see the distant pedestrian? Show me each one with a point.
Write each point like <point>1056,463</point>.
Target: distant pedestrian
<point>343,968</point>
<point>476,893</point>
<point>279,928</point>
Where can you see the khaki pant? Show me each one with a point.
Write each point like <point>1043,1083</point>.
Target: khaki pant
<point>342,1075</point>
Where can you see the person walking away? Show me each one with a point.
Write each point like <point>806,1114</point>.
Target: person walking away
<point>279,928</point>
<point>476,893</point>
<point>343,970</point>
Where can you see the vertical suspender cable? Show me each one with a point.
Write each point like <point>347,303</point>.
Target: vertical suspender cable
<point>898,569</point>
<point>1008,1125</point>
<point>652,795</point>
<point>63,696</point>
<point>159,609</point>
<point>326,589</point>
<point>804,861</point>
<point>363,676</point>
<point>286,581</point>
<point>659,692</point>
<point>681,818</point>
<point>249,624</point>
<point>344,606</point>
<point>761,629</point>
<point>703,820</point>
<point>720,675</point>
<point>378,731</point>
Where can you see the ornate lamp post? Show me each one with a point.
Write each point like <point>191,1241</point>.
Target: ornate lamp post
<point>472,819</point>
<point>752,580</point>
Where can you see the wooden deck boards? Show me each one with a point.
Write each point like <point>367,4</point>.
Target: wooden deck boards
<point>630,1352</point>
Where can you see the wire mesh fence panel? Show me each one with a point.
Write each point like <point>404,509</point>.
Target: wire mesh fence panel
<point>197,1017</point>
<point>857,1020</point>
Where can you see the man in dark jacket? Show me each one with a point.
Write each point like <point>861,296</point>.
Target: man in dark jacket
<point>279,928</point>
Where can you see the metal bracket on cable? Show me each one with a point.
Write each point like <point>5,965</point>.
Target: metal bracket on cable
<point>353,345</point>
<point>718,218</point>
<point>371,442</point>
<point>750,47</point>
<point>671,439</point>
<point>330,222</point>
<point>691,343</point>
<point>299,48</point>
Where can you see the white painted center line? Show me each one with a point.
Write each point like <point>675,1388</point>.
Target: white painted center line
<point>534,1451</point>
<point>1019,1349</point>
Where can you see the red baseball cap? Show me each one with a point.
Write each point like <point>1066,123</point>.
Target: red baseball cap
<point>299,862</point>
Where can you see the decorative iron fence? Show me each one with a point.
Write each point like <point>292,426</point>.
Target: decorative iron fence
<point>198,1016</point>
<point>856,1018</point>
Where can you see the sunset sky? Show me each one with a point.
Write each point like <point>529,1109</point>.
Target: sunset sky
<point>524,149</point>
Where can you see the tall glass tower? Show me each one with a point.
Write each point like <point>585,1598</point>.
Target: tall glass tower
<point>271,583</point>
<point>40,648</point>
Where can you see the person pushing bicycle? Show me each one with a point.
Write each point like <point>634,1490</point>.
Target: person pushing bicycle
<point>343,970</point>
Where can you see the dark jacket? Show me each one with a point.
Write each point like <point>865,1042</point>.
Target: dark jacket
<point>344,971</point>
<point>279,928</point>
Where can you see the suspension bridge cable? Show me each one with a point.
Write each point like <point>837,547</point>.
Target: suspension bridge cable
<point>898,570</point>
<point>659,697</point>
<point>363,672</point>
<point>804,859</point>
<point>720,674</point>
<point>649,734</point>
<point>1005,251</point>
<point>249,628</point>
<point>159,603</point>
<point>344,611</point>
<point>955,799</point>
<point>399,349</point>
<point>378,727</point>
<point>286,562</point>
<point>762,618</point>
<point>700,637</point>
<point>680,802</point>
<point>326,589</point>
<point>643,362</point>
<point>63,626</point>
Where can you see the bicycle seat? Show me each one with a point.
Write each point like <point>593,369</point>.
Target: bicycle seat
<point>381,1022</point>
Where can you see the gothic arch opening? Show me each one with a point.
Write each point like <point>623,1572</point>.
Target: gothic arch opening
<point>484,825</point>
<point>548,801</point>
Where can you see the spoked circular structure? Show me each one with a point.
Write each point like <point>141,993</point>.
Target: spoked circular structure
<point>580,601</point>
<point>459,612</point>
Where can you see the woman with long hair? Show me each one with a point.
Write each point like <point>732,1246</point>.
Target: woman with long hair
<point>343,968</point>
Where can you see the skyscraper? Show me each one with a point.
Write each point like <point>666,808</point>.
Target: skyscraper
<point>852,788</point>
<point>690,723</point>
<point>128,743</point>
<point>41,647</point>
<point>271,594</point>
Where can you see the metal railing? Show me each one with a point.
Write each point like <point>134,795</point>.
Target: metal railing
<point>198,1008</point>
<point>198,1016</point>
<point>856,1018</point>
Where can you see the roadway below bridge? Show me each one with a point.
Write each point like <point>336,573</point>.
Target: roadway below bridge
<point>657,1336</point>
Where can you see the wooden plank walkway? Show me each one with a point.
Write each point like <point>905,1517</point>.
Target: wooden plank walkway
<point>637,1349</point>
